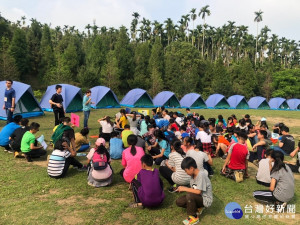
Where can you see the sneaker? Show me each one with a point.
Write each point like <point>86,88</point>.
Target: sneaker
<point>200,210</point>
<point>83,168</point>
<point>191,220</point>
<point>173,189</point>
<point>238,178</point>
<point>17,154</point>
<point>10,151</point>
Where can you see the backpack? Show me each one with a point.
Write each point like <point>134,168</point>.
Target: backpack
<point>99,161</point>
<point>169,136</point>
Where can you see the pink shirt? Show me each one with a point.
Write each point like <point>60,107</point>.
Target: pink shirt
<point>132,164</point>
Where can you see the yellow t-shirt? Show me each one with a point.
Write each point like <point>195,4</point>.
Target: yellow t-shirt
<point>123,121</point>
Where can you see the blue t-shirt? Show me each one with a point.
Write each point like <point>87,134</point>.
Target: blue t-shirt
<point>116,148</point>
<point>88,106</point>
<point>6,131</point>
<point>163,144</point>
<point>8,96</point>
<point>185,134</point>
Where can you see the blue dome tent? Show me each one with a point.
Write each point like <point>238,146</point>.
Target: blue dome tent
<point>294,103</point>
<point>166,99</point>
<point>72,97</point>
<point>217,101</point>
<point>278,103</point>
<point>238,102</point>
<point>26,103</point>
<point>137,98</point>
<point>258,102</point>
<point>104,97</point>
<point>192,100</point>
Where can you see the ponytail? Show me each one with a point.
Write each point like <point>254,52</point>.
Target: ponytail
<point>102,150</point>
<point>278,161</point>
<point>132,140</point>
<point>177,146</point>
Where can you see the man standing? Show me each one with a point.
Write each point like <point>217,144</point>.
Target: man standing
<point>9,101</point>
<point>56,104</point>
<point>86,103</point>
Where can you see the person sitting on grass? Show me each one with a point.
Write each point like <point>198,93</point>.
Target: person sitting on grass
<point>131,157</point>
<point>263,176</point>
<point>187,144</point>
<point>115,146</point>
<point>125,133</point>
<point>295,168</point>
<point>220,142</point>
<point>16,137</point>
<point>287,143</point>
<point>199,194</point>
<point>65,130</point>
<point>100,173</point>
<point>61,158</point>
<point>262,145</point>
<point>161,149</point>
<point>203,159</point>
<point>81,140</point>
<point>147,187</point>
<point>29,144</point>
<point>106,128</point>
<point>236,163</point>
<point>7,130</point>
<point>122,121</point>
<point>172,172</point>
<point>282,185</point>
<point>183,132</point>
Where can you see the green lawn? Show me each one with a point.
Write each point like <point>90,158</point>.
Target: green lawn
<point>29,196</point>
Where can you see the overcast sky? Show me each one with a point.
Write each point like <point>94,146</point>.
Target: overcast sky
<point>281,16</point>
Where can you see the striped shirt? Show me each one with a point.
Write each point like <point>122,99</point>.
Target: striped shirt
<point>57,161</point>
<point>179,176</point>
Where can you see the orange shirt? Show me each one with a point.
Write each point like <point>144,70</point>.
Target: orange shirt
<point>223,140</point>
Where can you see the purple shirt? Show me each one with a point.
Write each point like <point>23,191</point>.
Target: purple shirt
<point>151,192</point>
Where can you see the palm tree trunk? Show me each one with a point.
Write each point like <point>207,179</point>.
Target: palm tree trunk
<point>256,45</point>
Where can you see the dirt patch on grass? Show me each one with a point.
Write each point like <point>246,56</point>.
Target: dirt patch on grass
<point>67,201</point>
<point>94,201</point>
<point>41,163</point>
<point>129,216</point>
<point>72,219</point>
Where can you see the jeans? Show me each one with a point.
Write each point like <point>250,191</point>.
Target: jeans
<point>83,148</point>
<point>9,116</point>
<point>276,148</point>
<point>86,118</point>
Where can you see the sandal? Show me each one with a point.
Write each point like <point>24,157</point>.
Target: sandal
<point>136,205</point>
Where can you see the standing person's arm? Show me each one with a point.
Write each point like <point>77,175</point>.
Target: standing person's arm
<point>13,103</point>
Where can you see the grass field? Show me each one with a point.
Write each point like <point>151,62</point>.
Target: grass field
<point>29,196</point>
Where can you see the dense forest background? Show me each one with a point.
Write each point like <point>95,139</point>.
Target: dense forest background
<point>183,57</point>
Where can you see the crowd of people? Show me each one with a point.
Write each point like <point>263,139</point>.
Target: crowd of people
<point>182,148</point>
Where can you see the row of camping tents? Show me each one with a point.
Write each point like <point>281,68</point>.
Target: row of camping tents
<point>104,97</point>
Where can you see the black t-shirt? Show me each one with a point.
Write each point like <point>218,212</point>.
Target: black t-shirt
<point>288,143</point>
<point>57,98</point>
<point>17,136</point>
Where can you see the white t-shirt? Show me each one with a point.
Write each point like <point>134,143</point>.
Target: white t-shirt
<point>106,127</point>
<point>263,172</point>
<point>179,121</point>
<point>167,117</point>
<point>203,137</point>
<point>199,157</point>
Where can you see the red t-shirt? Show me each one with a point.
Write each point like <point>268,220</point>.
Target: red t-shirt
<point>174,125</point>
<point>239,154</point>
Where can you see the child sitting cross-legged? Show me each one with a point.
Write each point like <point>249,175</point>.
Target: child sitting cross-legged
<point>199,195</point>
<point>263,176</point>
<point>147,186</point>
